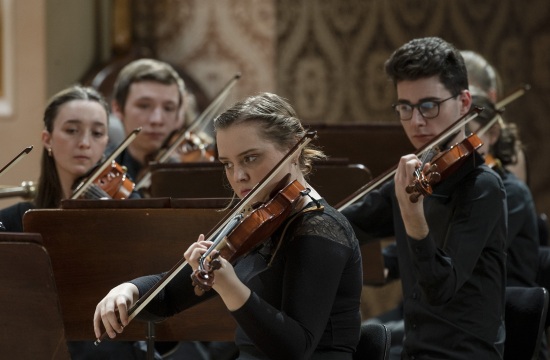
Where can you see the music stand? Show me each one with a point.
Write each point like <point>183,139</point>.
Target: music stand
<point>32,327</point>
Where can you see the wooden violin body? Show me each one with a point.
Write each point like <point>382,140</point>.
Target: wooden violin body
<point>441,166</point>
<point>114,182</point>
<point>111,183</point>
<point>195,149</point>
<point>251,231</point>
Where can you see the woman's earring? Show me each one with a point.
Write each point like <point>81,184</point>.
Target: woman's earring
<point>50,152</point>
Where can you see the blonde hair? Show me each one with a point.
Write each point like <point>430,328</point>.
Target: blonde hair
<point>482,76</point>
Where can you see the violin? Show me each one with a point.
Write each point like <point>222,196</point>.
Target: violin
<point>108,179</point>
<point>493,162</point>
<point>441,166</point>
<point>194,149</point>
<point>239,240</point>
<point>374,183</point>
<point>253,230</point>
<point>112,183</point>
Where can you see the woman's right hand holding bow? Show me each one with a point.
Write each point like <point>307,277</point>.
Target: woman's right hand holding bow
<point>118,300</point>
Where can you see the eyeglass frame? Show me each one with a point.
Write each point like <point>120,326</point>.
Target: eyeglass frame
<point>417,105</point>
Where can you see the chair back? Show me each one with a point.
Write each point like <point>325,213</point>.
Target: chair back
<point>374,343</point>
<point>542,224</point>
<point>543,274</point>
<point>525,316</point>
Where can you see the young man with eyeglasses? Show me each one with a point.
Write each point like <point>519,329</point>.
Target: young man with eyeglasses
<point>450,245</point>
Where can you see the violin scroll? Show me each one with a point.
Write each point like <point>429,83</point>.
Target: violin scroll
<point>203,278</point>
<point>114,182</point>
<point>422,185</point>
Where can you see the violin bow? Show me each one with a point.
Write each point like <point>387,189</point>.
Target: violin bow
<point>84,184</point>
<point>499,107</point>
<point>257,191</point>
<point>16,159</point>
<point>199,123</point>
<point>374,183</point>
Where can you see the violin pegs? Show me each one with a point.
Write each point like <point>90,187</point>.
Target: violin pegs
<point>414,197</point>
<point>410,188</point>
<point>434,178</point>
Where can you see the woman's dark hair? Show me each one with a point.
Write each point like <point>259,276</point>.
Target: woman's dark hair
<point>505,148</point>
<point>278,121</point>
<point>427,57</point>
<point>49,192</point>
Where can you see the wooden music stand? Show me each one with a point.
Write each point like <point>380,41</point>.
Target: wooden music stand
<point>32,326</point>
<point>189,180</point>
<point>92,250</point>
<point>377,146</point>
<point>336,181</point>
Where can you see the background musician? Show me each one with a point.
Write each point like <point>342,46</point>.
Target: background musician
<point>149,94</point>
<point>499,148</point>
<point>522,246</point>
<point>74,138</point>
<point>485,81</point>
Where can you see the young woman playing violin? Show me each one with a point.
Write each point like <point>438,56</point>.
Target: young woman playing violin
<point>297,294</point>
<point>75,136</point>
<point>74,139</point>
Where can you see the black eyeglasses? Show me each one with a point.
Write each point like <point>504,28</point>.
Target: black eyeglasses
<point>428,109</point>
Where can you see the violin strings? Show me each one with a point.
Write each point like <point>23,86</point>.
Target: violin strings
<point>95,192</point>
<point>426,157</point>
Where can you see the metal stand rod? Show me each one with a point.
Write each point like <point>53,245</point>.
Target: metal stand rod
<point>150,340</point>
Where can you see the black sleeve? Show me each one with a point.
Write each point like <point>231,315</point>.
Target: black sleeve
<point>372,216</point>
<point>12,217</point>
<point>176,296</point>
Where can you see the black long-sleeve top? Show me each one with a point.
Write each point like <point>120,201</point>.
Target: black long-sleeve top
<point>522,243</point>
<point>12,216</point>
<point>133,167</point>
<point>523,236</point>
<point>306,304</point>
<point>454,279</point>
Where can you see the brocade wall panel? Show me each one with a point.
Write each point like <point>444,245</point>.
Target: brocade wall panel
<point>327,56</point>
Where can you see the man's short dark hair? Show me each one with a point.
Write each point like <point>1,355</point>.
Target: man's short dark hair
<point>427,57</point>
